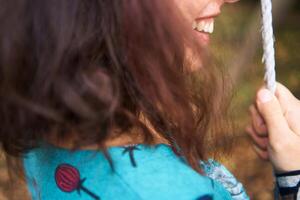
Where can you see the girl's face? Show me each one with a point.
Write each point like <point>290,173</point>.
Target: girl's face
<point>201,14</point>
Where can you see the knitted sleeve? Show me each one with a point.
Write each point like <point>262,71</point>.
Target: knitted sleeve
<point>221,175</point>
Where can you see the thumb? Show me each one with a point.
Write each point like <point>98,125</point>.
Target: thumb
<point>270,109</point>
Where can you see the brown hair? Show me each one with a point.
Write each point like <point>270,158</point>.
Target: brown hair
<point>90,67</point>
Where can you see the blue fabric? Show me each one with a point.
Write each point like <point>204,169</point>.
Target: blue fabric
<point>140,173</point>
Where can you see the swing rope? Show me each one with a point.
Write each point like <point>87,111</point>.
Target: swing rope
<point>268,45</point>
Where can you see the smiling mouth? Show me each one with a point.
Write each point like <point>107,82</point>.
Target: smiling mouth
<point>202,26</point>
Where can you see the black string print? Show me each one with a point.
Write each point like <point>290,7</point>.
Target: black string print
<point>130,149</point>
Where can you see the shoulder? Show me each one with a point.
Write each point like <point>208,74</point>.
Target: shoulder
<point>224,178</point>
<point>141,172</point>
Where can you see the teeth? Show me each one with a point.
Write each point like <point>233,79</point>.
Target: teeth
<point>195,25</point>
<point>201,26</point>
<point>207,27</point>
<point>211,27</point>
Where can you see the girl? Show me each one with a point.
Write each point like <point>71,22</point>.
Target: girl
<point>98,100</point>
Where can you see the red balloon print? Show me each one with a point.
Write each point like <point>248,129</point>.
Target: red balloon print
<point>67,179</point>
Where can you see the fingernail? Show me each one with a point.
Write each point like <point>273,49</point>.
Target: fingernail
<point>264,96</point>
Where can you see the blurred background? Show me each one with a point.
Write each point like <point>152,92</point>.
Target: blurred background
<point>236,45</point>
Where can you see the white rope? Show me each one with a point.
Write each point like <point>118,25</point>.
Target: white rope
<point>268,44</point>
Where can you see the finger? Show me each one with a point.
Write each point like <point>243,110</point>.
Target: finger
<point>258,122</point>
<point>270,109</point>
<point>260,142</point>
<point>262,154</point>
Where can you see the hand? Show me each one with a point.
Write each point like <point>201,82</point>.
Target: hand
<point>275,128</point>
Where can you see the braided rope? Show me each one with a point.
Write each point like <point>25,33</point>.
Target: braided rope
<point>268,45</point>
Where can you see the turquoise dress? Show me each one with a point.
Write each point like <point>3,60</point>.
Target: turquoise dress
<point>139,172</point>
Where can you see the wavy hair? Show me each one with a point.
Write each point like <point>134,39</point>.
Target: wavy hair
<point>83,69</point>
